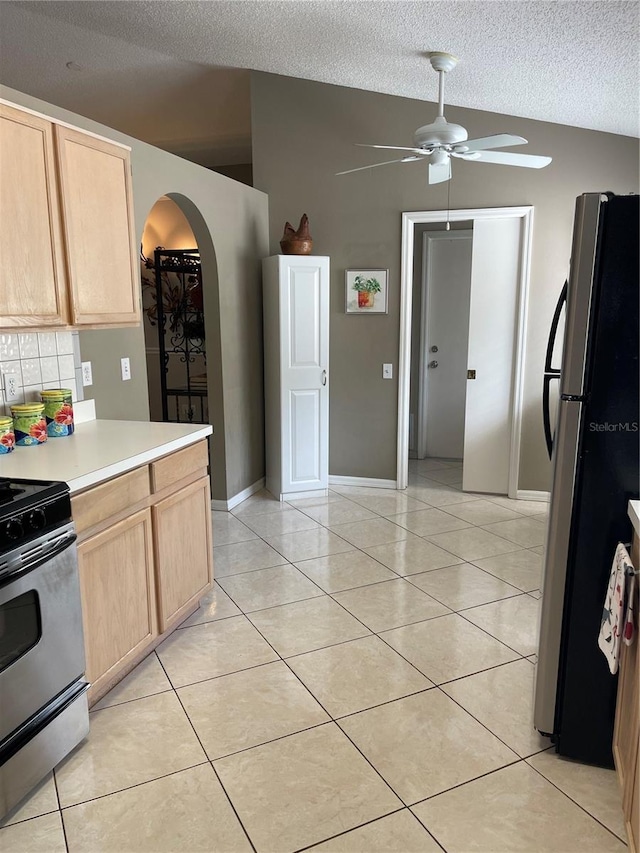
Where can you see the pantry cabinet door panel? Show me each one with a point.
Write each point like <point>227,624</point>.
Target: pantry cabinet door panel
<point>95,178</point>
<point>31,256</point>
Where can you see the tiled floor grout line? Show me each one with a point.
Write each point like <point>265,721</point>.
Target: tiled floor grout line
<point>64,829</point>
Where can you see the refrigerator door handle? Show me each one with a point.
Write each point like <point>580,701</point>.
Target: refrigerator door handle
<point>549,371</point>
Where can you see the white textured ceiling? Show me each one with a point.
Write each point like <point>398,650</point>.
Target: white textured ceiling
<point>153,69</point>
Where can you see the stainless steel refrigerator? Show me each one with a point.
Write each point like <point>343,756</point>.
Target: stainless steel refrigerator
<point>595,474</point>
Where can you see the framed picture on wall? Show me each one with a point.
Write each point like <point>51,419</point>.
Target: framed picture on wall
<point>366,291</point>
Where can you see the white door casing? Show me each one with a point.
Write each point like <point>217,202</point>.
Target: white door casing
<point>446,281</point>
<point>492,338</point>
<point>524,215</point>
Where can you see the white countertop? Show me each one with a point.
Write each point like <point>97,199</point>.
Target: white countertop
<point>99,450</point>
<point>634,515</point>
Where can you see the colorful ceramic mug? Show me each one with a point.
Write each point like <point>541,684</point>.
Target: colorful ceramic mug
<point>7,435</point>
<point>29,424</point>
<point>58,410</point>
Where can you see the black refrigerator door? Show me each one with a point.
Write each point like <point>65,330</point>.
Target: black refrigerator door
<point>607,477</point>
<point>551,373</point>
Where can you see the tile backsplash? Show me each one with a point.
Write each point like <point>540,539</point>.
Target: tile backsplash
<point>41,360</point>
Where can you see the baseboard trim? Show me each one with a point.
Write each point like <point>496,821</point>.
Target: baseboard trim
<point>528,495</point>
<point>369,482</point>
<point>225,506</point>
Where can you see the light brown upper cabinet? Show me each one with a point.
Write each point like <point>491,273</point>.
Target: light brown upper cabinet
<point>32,273</point>
<point>68,253</point>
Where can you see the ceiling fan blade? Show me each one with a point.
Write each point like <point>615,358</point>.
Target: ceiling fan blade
<point>506,158</point>
<point>373,165</point>
<point>440,172</point>
<point>500,140</point>
<point>420,151</point>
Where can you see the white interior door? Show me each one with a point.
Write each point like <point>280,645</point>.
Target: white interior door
<point>493,316</point>
<point>444,342</point>
<point>304,363</point>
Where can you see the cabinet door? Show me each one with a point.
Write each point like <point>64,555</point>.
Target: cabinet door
<point>183,550</point>
<point>95,180</point>
<point>32,289</point>
<point>118,596</point>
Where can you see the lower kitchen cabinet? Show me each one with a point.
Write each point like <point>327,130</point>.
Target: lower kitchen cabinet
<point>183,550</point>
<point>118,596</point>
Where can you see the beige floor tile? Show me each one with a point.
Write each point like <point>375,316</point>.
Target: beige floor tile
<point>519,568</point>
<point>147,679</point>
<point>527,532</point>
<point>502,699</point>
<point>412,555</point>
<point>447,476</point>
<point>261,503</point>
<point>448,648</point>
<point>398,833</point>
<point>228,529</point>
<point>436,494</point>
<point>303,789</point>
<point>538,550</point>
<point>42,800</point>
<point>366,534</point>
<point>481,512</point>
<point>185,811</point>
<point>215,605</point>
<point>39,835</point>
<point>513,809</point>
<point>216,648</point>
<point>244,557</point>
<point>129,744</point>
<point>425,522</point>
<point>318,500</point>
<point>463,586</point>
<point>345,571</point>
<point>389,504</point>
<point>249,708</point>
<point>357,675</point>
<point>425,744</point>
<point>269,587</point>
<point>521,506</point>
<point>390,604</point>
<point>473,543</point>
<point>514,621</point>
<point>594,788</point>
<point>275,524</point>
<point>535,593</point>
<point>306,625</point>
<point>339,512</point>
<point>308,544</point>
<point>429,464</point>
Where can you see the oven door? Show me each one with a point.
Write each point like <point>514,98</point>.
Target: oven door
<point>41,640</point>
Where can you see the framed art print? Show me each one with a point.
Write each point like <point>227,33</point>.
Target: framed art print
<point>366,291</point>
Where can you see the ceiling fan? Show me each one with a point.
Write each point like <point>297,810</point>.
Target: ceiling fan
<point>441,141</point>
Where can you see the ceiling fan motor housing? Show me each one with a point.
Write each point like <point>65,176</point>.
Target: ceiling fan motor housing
<point>441,132</point>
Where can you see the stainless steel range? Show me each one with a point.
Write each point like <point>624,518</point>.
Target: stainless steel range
<point>43,702</point>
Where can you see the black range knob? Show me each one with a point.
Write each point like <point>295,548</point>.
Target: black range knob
<point>37,520</point>
<point>14,529</point>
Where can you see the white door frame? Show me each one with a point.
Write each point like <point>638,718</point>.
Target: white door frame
<point>423,401</point>
<point>409,220</point>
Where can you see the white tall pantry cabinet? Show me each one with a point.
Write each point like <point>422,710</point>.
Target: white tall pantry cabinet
<point>296,367</point>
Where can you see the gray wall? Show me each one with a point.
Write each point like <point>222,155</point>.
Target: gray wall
<point>230,221</point>
<point>303,132</point>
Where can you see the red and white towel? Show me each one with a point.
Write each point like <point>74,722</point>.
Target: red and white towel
<point>613,625</point>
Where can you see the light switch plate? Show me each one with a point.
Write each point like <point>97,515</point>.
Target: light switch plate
<point>387,371</point>
<point>125,367</point>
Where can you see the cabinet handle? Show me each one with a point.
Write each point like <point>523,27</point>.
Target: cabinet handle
<point>324,377</point>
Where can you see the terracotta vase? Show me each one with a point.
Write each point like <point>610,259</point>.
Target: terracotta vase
<point>297,242</point>
<point>366,299</point>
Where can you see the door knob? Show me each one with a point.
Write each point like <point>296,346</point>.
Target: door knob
<point>434,349</point>
<point>433,363</point>
<point>324,377</point>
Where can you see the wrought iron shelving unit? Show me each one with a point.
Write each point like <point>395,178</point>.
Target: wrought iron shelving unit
<point>181,334</point>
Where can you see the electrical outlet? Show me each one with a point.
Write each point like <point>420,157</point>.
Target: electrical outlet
<point>87,376</point>
<point>11,387</point>
<point>125,368</point>
<point>387,371</point>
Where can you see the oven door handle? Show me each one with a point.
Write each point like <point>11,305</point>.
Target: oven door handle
<point>41,557</point>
